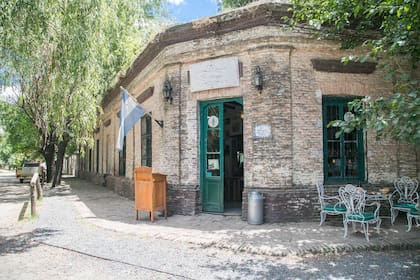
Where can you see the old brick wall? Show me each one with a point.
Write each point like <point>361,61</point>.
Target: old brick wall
<point>184,200</point>
<point>96,178</point>
<point>284,166</point>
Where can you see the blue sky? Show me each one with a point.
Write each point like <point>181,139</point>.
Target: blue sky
<point>189,10</point>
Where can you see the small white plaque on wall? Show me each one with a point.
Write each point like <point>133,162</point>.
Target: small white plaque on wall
<point>262,131</point>
<point>215,73</point>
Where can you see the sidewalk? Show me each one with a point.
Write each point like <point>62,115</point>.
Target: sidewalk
<point>103,208</point>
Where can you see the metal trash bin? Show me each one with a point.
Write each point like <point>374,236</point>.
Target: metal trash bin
<point>255,208</point>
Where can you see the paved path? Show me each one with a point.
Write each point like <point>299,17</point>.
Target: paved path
<point>103,208</point>
<point>62,243</point>
<point>88,232</point>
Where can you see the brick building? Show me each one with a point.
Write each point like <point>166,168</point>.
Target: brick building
<point>220,136</point>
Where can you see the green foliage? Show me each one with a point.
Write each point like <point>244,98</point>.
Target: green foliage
<point>229,4</point>
<point>7,157</point>
<point>391,31</point>
<point>390,28</point>
<point>19,140</point>
<point>64,55</point>
<point>396,117</point>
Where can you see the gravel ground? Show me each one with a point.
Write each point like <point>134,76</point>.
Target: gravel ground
<point>60,244</point>
<point>72,248</point>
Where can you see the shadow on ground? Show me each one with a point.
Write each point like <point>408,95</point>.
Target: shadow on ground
<point>11,191</point>
<point>101,202</point>
<point>108,210</point>
<point>329,267</point>
<point>24,241</point>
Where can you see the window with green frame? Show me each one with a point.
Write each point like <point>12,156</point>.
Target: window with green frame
<point>121,159</point>
<point>90,160</point>
<point>97,156</point>
<point>146,141</point>
<point>343,156</point>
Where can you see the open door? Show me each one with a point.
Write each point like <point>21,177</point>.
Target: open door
<point>215,176</point>
<point>212,156</point>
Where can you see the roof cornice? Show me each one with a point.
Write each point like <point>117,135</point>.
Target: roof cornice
<point>268,13</point>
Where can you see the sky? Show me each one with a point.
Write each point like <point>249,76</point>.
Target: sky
<point>182,10</point>
<point>189,10</point>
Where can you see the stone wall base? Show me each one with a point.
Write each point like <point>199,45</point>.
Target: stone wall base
<point>184,200</point>
<point>181,200</point>
<point>296,204</point>
<point>98,179</point>
<point>121,185</point>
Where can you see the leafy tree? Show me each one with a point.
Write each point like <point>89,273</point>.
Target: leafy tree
<point>7,157</point>
<point>391,31</point>
<point>229,4</point>
<point>19,137</point>
<point>63,56</point>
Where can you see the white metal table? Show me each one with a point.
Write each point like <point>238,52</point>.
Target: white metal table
<point>379,197</point>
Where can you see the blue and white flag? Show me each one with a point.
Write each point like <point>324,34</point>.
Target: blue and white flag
<point>130,113</point>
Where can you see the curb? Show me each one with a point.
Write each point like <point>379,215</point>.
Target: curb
<point>319,249</point>
<point>209,239</point>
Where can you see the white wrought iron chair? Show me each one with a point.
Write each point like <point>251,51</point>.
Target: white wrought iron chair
<point>354,198</point>
<point>413,214</point>
<point>331,205</point>
<point>406,196</point>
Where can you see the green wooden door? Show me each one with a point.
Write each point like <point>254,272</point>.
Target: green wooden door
<point>212,162</point>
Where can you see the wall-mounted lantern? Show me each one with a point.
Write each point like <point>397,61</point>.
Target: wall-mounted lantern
<point>167,91</point>
<point>259,80</point>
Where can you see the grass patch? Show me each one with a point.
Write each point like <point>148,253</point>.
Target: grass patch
<point>25,212</point>
<point>22,213</point>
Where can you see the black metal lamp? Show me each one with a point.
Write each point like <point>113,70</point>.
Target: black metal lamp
<point>259,80</point>
<point>167,91</point>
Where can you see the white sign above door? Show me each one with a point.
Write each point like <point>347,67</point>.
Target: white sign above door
<point>215,73</point>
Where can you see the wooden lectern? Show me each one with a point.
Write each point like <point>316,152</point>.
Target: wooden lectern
<point>149,191</point>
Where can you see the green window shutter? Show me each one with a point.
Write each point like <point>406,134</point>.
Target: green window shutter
<point>97,156</point>
<point>146,141</point>
<point>343,156</point>
<point>122,156</point>
<point>90,160</point>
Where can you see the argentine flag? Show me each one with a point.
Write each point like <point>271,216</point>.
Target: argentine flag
<point>130,113</point>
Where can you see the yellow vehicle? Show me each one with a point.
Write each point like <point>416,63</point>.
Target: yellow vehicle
<point>27,171</point>
<point>18,172</point>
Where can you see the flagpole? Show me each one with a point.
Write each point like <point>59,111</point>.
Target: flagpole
<point>160,123</point>
<point>134,148</point>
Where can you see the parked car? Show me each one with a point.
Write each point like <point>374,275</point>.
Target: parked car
<point>18,172</point>
<point>28,169</point>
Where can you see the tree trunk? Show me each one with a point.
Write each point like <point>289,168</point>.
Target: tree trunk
<point>49,155</point>
<point>62,145</point>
